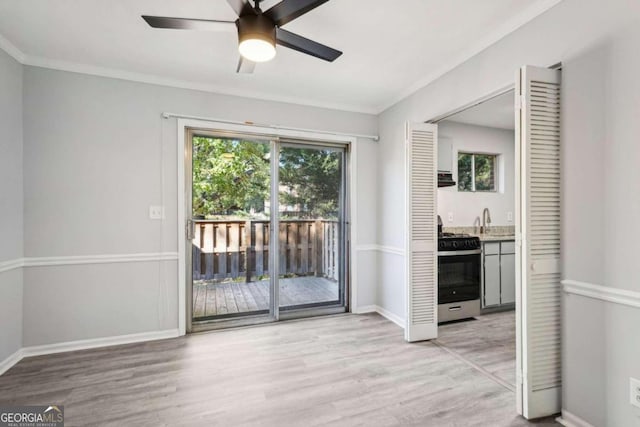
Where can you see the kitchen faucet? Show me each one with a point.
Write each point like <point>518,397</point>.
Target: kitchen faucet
<point>486,221</point>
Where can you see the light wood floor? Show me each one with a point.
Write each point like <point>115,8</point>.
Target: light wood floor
<point>488,342</point>
<point>213,299</point>
<point>339,370</point>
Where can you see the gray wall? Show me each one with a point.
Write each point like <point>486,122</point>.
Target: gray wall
<point>467,206</point>
<point>11,208</point>
<point>97,154</point>
<point>597,44</point>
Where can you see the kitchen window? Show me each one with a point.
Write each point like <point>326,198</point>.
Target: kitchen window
<point>477,172</point>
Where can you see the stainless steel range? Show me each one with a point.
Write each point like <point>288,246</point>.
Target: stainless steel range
<point>459,263</point>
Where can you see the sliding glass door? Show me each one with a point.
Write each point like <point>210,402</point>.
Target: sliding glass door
<point>266,229</point>
<point>311,216</point>
<point>230,227</point>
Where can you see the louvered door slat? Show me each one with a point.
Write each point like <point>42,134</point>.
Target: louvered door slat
<point>538,224</point>
<point>422,268</point>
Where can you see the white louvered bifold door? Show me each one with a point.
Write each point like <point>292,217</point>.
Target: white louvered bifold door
<point>422,233</point>
<point>538,231</point>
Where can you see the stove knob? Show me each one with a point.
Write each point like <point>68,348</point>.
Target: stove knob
<point>455,245</point>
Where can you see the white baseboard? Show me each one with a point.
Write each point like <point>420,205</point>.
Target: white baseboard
<point>382,312</point>
<point>390,316</point>
<point>63,347</point>
<point>570,420</point>
<point>365,309</point>
<point>39,350</point>
<point>8,363</point>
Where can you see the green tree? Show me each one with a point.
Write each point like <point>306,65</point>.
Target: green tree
<point>230,176</point>
<point>312,180</point>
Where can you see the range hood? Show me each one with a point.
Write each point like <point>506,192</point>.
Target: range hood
<point>445,179</point>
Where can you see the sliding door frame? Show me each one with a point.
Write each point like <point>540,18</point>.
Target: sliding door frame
<point>186,128</point>
<point>343,278</point>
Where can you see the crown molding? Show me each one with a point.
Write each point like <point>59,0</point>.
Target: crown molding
<point>492,38</point>
<point>113,73</point>
<point>507,28</point>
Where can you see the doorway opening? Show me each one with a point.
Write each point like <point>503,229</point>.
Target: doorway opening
<point>534,248</point>
<point>266,228</point>
<point>476,209</point>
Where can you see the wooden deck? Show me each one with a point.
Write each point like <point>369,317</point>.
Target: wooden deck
<point>214,299</point>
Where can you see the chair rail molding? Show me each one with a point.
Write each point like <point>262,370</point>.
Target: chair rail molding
<point>381,248</point>
<point>85,259</point>
<point>391,250</point>
<point>99,259</point>
<point>603,293</point>
<point>11,264</point>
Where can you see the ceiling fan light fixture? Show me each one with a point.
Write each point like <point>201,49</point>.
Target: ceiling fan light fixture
<point>257,37</point>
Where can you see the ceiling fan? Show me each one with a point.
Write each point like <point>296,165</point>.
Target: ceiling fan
<point>258,31</point>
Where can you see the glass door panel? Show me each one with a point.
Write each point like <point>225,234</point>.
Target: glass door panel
<point>311,231</point>
<point>231,223</point>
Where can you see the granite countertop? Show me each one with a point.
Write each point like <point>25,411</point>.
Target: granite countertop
<point>496,233</point>
<point>495,237</point>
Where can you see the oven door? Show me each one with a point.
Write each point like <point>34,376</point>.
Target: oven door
<point>458,276</point>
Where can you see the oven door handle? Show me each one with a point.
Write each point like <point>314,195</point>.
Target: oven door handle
<point>454,253</point>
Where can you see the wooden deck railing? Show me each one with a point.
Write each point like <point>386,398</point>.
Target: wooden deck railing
<point>233,249</point>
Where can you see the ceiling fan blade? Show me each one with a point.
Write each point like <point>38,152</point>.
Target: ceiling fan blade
<point>245,66</point>
<point>301,44</point>
<point>288,10</point>
<point>188,24</point>
<point>241,7</point>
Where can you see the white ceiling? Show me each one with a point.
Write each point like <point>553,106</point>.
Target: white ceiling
<point>391,48</point>
<point>498,112</point>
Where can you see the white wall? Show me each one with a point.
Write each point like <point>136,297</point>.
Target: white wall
<point>97,154</point>
<point>467,207</point>
<point>597,43</point>
<point>11,207</point>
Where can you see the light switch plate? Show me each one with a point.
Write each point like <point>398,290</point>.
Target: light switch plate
<point>450,216</point>
<point>635,392</point>
<point>156,212</point>
<point>510,216</point>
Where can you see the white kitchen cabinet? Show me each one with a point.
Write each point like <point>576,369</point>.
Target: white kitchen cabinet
<point>499,274</point>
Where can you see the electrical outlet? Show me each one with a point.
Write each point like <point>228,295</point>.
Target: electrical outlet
<point>156,212</point>
<point>510,216</point>
<point>635,392</point>
<point>450,216</point>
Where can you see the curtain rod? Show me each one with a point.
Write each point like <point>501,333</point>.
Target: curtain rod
<point>234,122</point>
